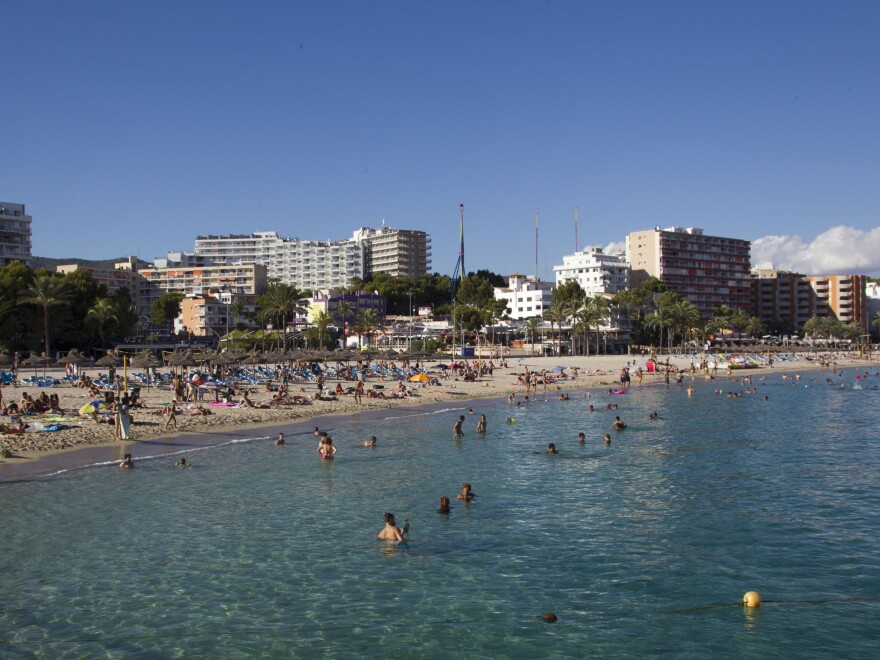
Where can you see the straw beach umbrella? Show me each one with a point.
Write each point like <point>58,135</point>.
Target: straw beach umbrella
<point>73,357</point>
<point>109,360</point>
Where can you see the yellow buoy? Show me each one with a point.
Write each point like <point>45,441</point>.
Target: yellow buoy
<point>752,599</point>
<point>549,617</point>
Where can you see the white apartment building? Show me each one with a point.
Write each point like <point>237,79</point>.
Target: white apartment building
<point>525,297</point>
<point>15,234</point>
<point>596,272</point>
<point>303,264</point>
<point>398,252</point>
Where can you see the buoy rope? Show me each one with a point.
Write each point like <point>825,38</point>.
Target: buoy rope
<point>249,631</point>
<point>810,601</point>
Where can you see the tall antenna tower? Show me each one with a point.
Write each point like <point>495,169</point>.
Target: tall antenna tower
<point>459,273</point>
<point>536,246</point>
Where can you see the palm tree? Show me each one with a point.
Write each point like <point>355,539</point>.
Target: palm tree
<point>755,327</point>
<point>344,308</point>
<point>556,313</point>
<point>102,314</point>
<point>600,312</point>
<point>47,291</point>
<point>572,309</point>
<point>322,321</point>
<point>660,318</point>
<point>366,322</point>
<point>279,301</point>
<point>685,318</point>
<point>532,325</point>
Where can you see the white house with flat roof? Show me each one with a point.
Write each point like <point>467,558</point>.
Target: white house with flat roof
<point>595,271</point>
<point>525,297</point>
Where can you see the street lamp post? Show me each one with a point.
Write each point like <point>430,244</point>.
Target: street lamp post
<point>409,342</point>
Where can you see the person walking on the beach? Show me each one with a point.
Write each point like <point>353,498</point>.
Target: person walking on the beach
<point>172,415</point>
<point>358,391</point>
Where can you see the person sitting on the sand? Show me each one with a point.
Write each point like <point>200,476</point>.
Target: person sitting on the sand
<point>247,403</point>
<point>339,391</point>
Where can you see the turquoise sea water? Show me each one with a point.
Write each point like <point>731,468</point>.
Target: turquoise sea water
<point>640,549</point>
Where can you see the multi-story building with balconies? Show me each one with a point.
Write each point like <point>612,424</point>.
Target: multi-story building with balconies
<point>785,301</point>
<point>303,264</point>
<point>709,271</point>
<point>398,252</point>
<point>15,234</point>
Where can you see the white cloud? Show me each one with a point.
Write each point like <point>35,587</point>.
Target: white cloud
<point>617,247</point>
<point>838,251</point>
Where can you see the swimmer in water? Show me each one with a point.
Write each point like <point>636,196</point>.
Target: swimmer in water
<point>444,505</point>
<point>551,449</point>
<point>371,442</point>
<point>511,420</point>
<point>466,494</point>
<point>617,424</point>
<point>127,463</point>
<point>607,439</point>
<point>591,409</point>
<point>280,439</point>
<point>481,425</point>
<point>654,415</point>
<point>182,463</point>
<point>456,428</point>
<point>392,532</point>
<point>582,438</point>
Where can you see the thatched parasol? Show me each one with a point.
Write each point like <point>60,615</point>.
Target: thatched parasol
<point>109,360</point>
<point>254,358</point>
<point>73,357</point>
<point>145,360</point>
<point>184,359</point>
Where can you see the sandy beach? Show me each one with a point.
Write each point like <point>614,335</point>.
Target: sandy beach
<point>79,434</point>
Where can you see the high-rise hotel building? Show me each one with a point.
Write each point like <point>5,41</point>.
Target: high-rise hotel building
<point>709,271</point>
<point>15,234</point>
<point>304,264</point>
<point>323,265</point>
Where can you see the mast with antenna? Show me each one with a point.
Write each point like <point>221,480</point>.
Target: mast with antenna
<point>459,273</point>
<point>536,246</point>
<point>576,241</point>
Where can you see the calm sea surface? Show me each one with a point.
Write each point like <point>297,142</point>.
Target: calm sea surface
<point>641,548</point>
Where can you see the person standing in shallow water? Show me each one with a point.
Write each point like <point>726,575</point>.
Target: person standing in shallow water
<point>392,532</point>
<point>481,425</point>
<point>456,428</point>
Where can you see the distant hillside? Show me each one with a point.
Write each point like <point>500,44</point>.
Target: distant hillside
<point>49,263</point>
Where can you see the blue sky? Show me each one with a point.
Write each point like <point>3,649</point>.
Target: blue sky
<point>129,128</point>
